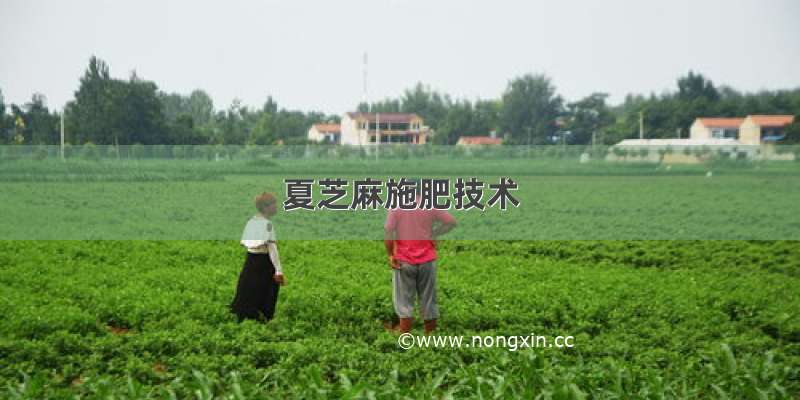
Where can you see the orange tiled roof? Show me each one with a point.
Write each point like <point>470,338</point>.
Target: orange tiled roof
<point>772,120</point>
<point>721,122</point>
<point>328,127</point>
<point>479,140</point>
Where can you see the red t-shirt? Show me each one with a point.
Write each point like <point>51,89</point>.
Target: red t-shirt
<point>413,228</point>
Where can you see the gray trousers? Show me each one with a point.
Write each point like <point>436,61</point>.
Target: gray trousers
<point>413,279</point>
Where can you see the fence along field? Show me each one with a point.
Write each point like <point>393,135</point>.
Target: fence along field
<point>147,318</point>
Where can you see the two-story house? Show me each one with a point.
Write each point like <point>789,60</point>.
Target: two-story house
<point>358,128</point>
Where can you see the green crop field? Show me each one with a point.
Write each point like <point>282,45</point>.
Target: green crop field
<point>157,198</point>
<point>650,318</point>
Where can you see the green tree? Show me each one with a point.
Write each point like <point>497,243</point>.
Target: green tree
<point>113,111</point>
<point>458,122</point>
<point>486,116</point>
<point>429,104</point>
<point>184,132</point>
<point>20,127</point>
<point>42,125</point>
<point>530,108</point>
<point>230,125</point>
<point>291,126</point>
<point>175,105</point>
<point>793,132</point>
<point>201,107</point>
<point>4,120</point>
<point>136,113</point>
<point>263,133</point>
<point>93,102</point>
<point>693,86</point>
<point>198,105</point>
<point>588,116</point>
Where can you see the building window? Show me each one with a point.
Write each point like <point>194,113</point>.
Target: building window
<point>400,126</point>
<point>384,126</point>
<point>723,133</point>
<point>331,138</point>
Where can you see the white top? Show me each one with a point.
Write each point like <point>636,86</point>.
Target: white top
<point>259,238</point>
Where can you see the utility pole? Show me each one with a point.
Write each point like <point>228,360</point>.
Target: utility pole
<point>377,136</point>
<point>62,135</point>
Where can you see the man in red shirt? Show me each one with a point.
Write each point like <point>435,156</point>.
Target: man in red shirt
<point>409,236</point>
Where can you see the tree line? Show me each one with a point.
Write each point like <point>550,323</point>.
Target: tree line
<point>107,110</point>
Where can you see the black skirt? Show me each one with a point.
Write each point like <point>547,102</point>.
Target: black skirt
<point>256,292</point>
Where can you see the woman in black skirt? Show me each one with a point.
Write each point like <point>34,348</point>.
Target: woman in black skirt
<point>261,276</point>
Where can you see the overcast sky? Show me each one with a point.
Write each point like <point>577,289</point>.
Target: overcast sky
<point>308,55</point>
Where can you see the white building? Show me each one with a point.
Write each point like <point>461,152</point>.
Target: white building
<point>325,133</point>
<point>715,128</point>
<point>750,137</point>
<point>757,129</point>
<point>359,128</point>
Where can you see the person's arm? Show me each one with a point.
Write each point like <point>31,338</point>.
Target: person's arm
<point>389,242</point>
<point>276,262</point>
<point>446,223</point>
<point>274,256</point>
<point>389,239</point>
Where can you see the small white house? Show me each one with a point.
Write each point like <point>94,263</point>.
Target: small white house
<point>715,128</point>
<point>325,133</point>
<point>758,129</point>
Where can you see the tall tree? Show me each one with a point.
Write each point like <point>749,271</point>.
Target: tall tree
<point>263,133</point>
<point>486,117</point>
<point>42,126</point>
<point>175,105</point>
<point>793,131</point>
<point>427,103</point>
<point>693,86</point>
<point>183,131</point>
<point>201,107</point>
<point>113,111</point>
<point>139,112</point>
<point>587,117</point>
<point>93,101</point>
<point>458,122</point>
<point>530,108</point>
<point>230,124</point>
<point>4,126</point>
<point>198,105</point>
